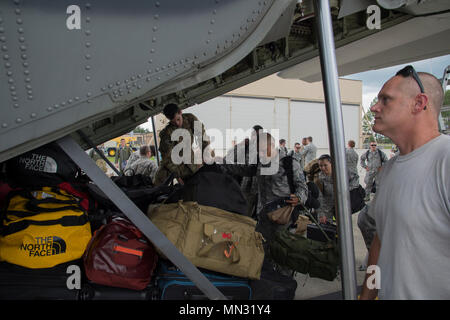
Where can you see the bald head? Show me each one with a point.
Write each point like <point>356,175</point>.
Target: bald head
<point>434,91</point>
<point>432,88</point>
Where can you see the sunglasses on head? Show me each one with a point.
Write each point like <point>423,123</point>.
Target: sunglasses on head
<point>409,71</point>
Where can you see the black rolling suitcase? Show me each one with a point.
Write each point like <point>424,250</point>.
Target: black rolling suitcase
<point>313,232</point>
<point>174,285</point>
<point>272,285</point>
<point>93,291</point>
<point>20,283</point>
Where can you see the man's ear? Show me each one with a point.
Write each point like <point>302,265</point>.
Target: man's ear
<point>420,102</point>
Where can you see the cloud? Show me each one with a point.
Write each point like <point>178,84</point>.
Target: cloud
<point>373,80</point>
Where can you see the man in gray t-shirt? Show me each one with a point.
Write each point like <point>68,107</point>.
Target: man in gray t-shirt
<point>411,248</point>
<point>412,216</point>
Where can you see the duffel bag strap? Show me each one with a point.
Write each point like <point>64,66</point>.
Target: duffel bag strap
<point>65,221</point>
<point>34,205</point>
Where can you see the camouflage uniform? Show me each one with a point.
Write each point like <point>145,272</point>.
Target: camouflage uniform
<point>134,156</point>
<point>326,195</point>
<point>144,166</point>
<point>273,187</point>
<point>248,184</point>
<point>374,162</point>
<point>351,158</point>
<point>309,152</point>
<point>299,156</point>
<point>166,145</point>
<point>98,160</point>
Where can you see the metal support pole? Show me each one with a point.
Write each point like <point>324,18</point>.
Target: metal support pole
<point>156,141</point>
<point>139,219</point>
<point>337,145</point>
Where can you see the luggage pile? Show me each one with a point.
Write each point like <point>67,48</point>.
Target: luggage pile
<point>62,238</point>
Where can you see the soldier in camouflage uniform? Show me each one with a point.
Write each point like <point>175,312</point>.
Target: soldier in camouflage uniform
<point>298,155</point>
<point>372,161</point>
<point>134,156</point>
<point>351,158</point>
<point>325,184</point>
<point>178,120</point>
<point>309,151</point>
<point>249,185</point>
<point>144,165</point>
<point>98,160</point>
<point>272,187</point>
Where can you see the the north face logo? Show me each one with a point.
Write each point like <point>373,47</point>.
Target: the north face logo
<point>45,246</point>
<point>40,163</point>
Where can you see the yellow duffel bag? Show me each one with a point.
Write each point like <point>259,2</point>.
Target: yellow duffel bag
<point>43,228</point>
<point>212,238</point>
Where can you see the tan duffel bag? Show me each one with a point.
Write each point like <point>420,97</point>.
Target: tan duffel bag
<point>212,238</point>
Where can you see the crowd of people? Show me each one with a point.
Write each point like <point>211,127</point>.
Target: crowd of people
<point>406,227</point>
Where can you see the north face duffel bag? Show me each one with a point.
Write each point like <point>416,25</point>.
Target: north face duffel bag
<point>43,228</point>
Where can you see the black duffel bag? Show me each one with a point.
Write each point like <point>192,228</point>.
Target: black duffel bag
<point>48,166</point>
<point>357,196</point>
<point>211,186</point>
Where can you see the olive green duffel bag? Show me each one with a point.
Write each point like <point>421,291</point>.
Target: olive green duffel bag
<point>212,238</point>
<point>316,258</point>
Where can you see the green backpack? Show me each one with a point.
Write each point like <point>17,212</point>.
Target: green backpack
<point>316,258</point>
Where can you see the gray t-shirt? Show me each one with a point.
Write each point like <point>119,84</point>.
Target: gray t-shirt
<point>412,213</point>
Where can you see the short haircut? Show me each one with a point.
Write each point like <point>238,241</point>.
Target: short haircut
<point>351,143</point>
<point>434,90</point>
<point>296,143</point>
<point>144,150</point>
<point>310,139</point>
<point>282,141</point>
<point>171,110</point>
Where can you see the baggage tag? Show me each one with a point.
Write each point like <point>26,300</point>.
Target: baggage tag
<point>231,246</point>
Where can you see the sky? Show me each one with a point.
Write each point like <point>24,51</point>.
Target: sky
<point>373,80</point>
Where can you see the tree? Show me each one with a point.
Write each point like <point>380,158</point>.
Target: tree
<point>446,114</point>
<point>139,129</point>
<point>447,98</point>
<point>368,121</point>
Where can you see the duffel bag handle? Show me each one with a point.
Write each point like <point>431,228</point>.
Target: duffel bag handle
<point>230,250</point>
<point>34,205</point>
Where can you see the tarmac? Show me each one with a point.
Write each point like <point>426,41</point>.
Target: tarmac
<point>315,288</point>
<point>318,289</point>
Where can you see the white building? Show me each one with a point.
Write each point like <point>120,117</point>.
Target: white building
<point>294,107</point>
